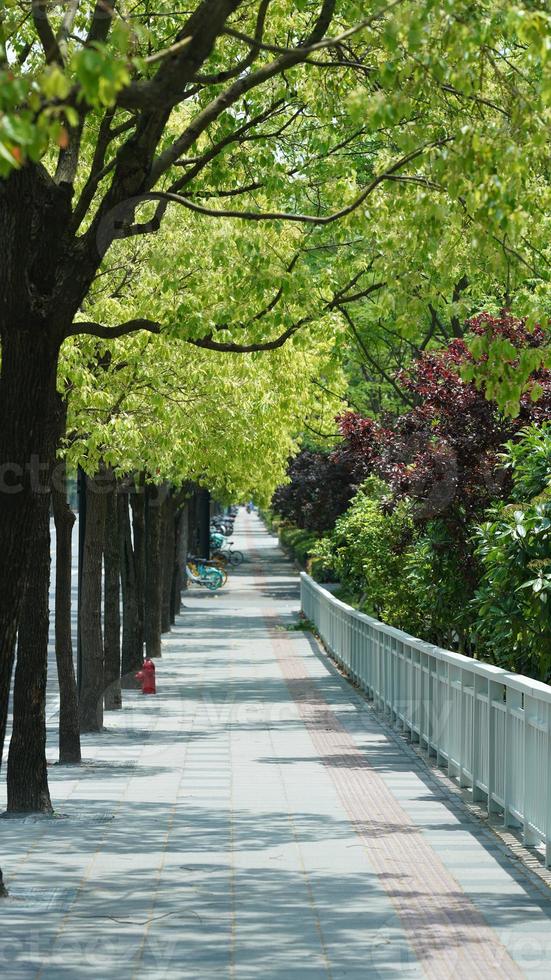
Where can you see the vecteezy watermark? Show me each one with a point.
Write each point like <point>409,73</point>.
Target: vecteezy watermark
<point>37,477</point>
<point>93,942</point>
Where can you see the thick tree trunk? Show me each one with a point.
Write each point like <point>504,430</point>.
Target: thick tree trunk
<point>153,570</point>
<point>112,616</point>
<point>169,548</point>
<point>30,339</point>
<point>27,448</point>
<point>137,503</point>
<point>132,646</point>
<point>27,772</point>
<point>92,682</point>
<point>69,733</point>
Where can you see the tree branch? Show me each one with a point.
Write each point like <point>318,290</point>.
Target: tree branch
<point>172,153</point>
<point>110,333</point>
<point>67,26</point>
<point>241,66</point>
<point>164,90</point>
<point>101,21</point>
<point>369,357</point>
<point>228,347</point>
<point>45,33</point>
<point>314,44</point>
<point>289,215</point>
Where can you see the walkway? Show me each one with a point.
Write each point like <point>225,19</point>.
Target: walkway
<point>255,821</point>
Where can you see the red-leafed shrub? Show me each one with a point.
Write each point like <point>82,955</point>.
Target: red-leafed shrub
<point>319,490</point>
<point>443,452</point>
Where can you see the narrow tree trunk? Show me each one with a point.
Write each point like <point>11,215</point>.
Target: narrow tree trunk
<point>153,571</point>
<point>193,542</point>
<point>176,596</point>
<point>203,523</point>
<point>69,733</point>
<point>169,547</point>
<point>92,682</point>
<point>137,503</point>
<point>132,645</point>
<point>112,616</point>
<point>184,544</point>
<point>27,772</point>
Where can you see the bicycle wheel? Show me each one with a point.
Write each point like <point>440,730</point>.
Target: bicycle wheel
<point>220,557</point>
<point>213,579</point>
<point>236,557</point>
<point>205,567</point>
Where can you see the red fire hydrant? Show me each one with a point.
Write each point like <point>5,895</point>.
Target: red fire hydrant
<point>147,677</point>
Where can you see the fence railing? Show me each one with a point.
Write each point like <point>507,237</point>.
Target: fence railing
<point>491,729</point>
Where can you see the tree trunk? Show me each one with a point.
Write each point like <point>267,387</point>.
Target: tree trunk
<point>27,449</point>
<point>27,772</point>
<point>153,570</point>
<point>169,549</point>
<point>92,682</point>
<point>69,733</point>
<point>182,552</point>
<point>176,597</point>
<point>137,503</point>
<point>132,646</point>
<point>33,216</point>
<point>203,523</point>
<point>193,525</point>
<point>112,616</point>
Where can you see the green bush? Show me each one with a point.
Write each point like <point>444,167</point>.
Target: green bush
<point>321,563</point>
<point>442,577</point>
<point>298,542</point>
<point>513,601</point>
<point>366,553</point>
<point>529,462</point>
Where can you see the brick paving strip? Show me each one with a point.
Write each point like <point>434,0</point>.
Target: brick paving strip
<point>447,933</point>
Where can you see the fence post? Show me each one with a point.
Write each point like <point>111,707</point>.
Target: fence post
<point>495,690</point>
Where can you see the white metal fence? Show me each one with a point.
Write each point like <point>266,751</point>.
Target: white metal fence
<point>490,728</point>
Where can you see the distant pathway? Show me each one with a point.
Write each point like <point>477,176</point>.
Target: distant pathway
<point>254,820</point>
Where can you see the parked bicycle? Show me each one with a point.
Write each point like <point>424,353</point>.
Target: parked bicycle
<point>201,566</point>
<point>232,556</point>
<point>211,578</point>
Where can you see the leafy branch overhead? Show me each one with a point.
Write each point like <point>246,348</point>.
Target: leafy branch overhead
<point>416,129</point>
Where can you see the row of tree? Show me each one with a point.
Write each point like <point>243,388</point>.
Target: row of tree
<point>304,172</point>
<point>140,533</point>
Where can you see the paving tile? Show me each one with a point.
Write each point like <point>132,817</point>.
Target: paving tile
<point>254,820</point>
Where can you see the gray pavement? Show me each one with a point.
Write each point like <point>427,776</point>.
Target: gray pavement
<point>254,820</point>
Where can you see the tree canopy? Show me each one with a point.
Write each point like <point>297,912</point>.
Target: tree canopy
<point>410,136</point>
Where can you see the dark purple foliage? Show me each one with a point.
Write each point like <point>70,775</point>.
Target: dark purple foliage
<point>320,490</point>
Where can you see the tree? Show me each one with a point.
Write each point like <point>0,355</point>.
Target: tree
<point>318,491</point>
<point>122,121</point>
<point>196,111</point>
<point>443,452</point>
